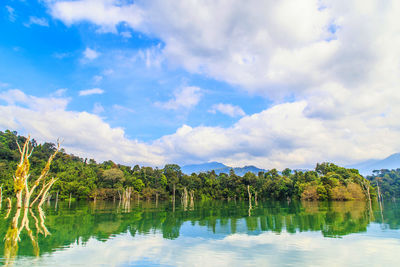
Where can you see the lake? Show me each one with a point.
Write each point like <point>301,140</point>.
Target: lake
<point>204,233</point>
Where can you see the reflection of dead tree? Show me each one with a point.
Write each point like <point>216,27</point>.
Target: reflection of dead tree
<point>22,174</point>
<point>126,194</point>
<point>365,186</point>
<point>191,199</point>
<point>13,234</point>
<point>8,213</point>
<point>184,198</point>
<point>42,218</point>
<point>1,195</point>
<point>126,198</point>
<point>11,239</point>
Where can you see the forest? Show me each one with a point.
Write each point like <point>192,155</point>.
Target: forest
<point>78,178</point>
<point>388,182</point>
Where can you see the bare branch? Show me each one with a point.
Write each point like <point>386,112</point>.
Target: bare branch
<point>19,147</point>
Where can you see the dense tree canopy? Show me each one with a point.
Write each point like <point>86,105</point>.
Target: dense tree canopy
<point>388,182</point>
<point>84,178</point>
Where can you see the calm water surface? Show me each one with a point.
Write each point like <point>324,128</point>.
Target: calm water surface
<point>212,233</point>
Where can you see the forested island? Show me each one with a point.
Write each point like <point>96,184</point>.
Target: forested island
<point>78,178</point>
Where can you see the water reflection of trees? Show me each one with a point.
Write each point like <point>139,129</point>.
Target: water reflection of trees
<point>101,220</point>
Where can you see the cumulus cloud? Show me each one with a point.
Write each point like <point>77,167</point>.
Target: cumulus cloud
<point>185,97</point>
<point>203,39</point>
<point>337,61</point>
<point>90,54</point>
<point>94,91</point>
<point>284,135</point>
<point>272,50</point>
<point>84,134</point>
<point>107,14</point>
<point>227,109</point>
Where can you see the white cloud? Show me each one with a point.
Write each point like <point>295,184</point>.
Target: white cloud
<point>186,97</point>
<point>90,54</point>
<point>37,21</point>
<point>238,52</point>
<point>107,14</point>
<point>11,13</point>
<point>281,136</point>
<point>14,96</point>
<point>343,83</point>
<point>227,109</point>
<point>94,91</point>
<point>273,49</point>
<point>84,134</point>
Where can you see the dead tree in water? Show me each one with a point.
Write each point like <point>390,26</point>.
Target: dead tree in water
<point>22,175</point>
<point>126,194</point>
<point>248,191</point>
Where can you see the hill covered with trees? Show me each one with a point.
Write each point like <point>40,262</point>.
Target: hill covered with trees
<point>87,179</point>
<point>388,182</point>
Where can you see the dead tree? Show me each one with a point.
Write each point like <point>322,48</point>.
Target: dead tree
<point>22,175</point>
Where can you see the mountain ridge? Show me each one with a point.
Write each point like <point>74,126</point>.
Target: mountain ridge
<point>366,167</point>
<point>219,168</point>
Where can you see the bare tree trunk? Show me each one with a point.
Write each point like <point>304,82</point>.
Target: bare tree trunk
<point>51,182</point>
<point>56,201</point>
<point>191,196</point>
<point>19,199</point>
<point>248,191</point>
<point>174,192</point>
<point>379,192</point>
<point>39,195</point>
<point>185,195</point>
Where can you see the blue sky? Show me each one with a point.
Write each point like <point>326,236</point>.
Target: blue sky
<point>152,82</point>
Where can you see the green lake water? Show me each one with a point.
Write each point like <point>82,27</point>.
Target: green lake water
<point>210,233</point>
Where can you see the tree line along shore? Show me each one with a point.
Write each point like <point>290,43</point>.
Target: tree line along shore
<point>78,178</point>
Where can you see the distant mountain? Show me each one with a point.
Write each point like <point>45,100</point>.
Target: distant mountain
<point>366,167</point>
<point>241,170</point>
<point>219,168</point>
<point>203,167</point>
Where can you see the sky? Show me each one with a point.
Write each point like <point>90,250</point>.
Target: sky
<point>268,83</point>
